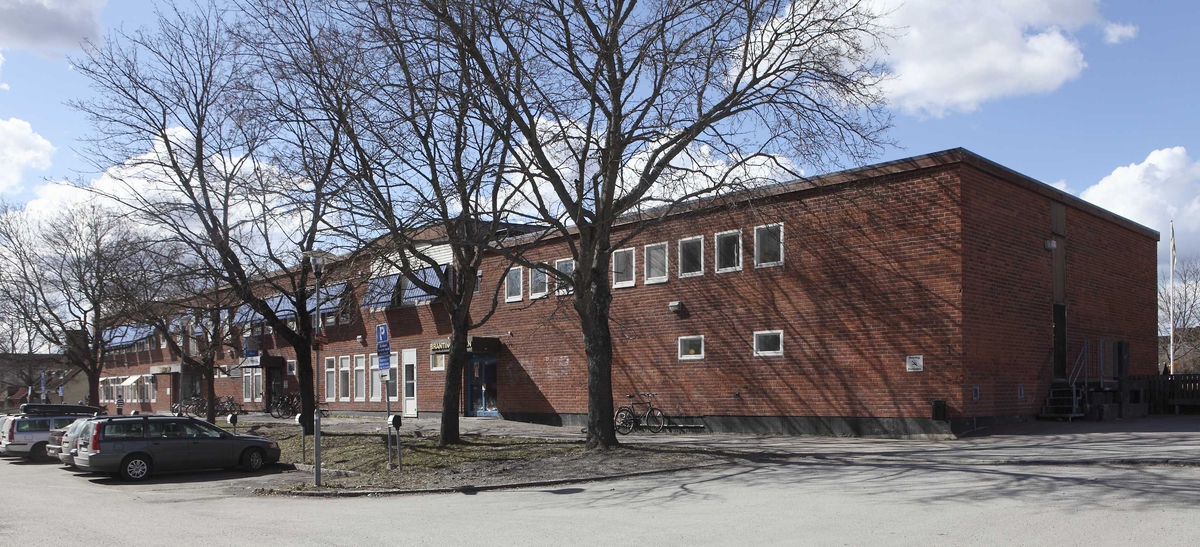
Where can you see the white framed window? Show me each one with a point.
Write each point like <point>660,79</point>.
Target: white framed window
<point>258,385</point>
<point>656,264</point>
<point>512,285</point>
<point>153,388</point>
<point>247,388</point>
<point>376,379</point>
<point>539,283</point>
<point>728,252</point>
<point>291,367</point>
<point>330,379</point>
<point>768,245</point>
<point>566,268</point>
<point>691,347</point>
<point>360,377</point>
<point>768,343</point>
<point>392,376</point>
<point>691,256</point>
<point>437,361</point>
<point>344,378</point>
<point>624,266</point>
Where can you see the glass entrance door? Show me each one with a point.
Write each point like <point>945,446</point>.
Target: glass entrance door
<point>481,387</point>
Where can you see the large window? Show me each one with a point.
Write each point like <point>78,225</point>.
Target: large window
<point>656,263</point>
<point>768,245</point>
<point>344,378</point>
<point>247,387</point>
<point>768,343</point>
<point>539,283</point>
<point>377,378</point>
<point>437,361</point>
<point>330,379</point>
<point>566,269</point>
<point>393,385</point>
<point>691,347</point>
<point>691,257</point>
<point>623,265</point>
<point>291,367</point>
<point>512,285</point>
<point>360,377</point>
<point>729,251</point>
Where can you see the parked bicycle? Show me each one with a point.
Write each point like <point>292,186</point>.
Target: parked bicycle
<point>283,406</point>
<point>627,417</point>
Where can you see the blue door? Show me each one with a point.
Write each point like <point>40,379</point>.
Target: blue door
<point>481,386</point>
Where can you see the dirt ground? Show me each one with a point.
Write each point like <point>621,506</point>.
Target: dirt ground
<point>481,460</point>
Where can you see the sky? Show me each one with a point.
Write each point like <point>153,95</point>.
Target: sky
<point>1096,98</point>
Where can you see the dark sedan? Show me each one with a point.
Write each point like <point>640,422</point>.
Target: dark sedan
<point>136,446</point>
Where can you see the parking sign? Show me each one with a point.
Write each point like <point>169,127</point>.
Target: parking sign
<point>385,362</point>
<point>381,333</point>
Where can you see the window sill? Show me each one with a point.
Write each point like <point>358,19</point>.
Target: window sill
<point>538,295</point>
<point>729,270</point>
<point>687,275</point>
<point>769,265</point>
<point>624,285</point>
<point>510,300</point>
<point>691,357</point>
<point>769,354</point>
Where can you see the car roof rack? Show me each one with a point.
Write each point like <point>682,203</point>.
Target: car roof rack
<point>39,409</point>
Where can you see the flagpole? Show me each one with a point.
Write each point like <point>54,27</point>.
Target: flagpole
<point>1171,305</point>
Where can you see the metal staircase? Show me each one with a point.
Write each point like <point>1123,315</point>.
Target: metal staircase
<point>1070,398</point>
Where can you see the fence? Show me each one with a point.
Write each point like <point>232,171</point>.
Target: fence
<point>1164,392</point>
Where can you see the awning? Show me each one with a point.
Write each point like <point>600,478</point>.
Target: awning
<point>18,394</point>
<point>125,335</point>
<point>381,291</point>
<point>330,298</point>
<point>131,380</point>
<point>414,294</point>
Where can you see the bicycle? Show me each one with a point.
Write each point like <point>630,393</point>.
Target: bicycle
<point>283,406</point>
<point>627,417</point>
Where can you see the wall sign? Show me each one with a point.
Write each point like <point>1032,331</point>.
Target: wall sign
<point>914,363</point>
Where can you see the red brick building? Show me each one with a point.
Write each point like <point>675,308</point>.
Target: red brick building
<point>844,304</point>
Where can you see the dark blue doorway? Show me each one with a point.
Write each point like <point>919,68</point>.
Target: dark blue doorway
<point>481,386</point>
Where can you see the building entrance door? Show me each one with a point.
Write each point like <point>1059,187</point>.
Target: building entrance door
<point>409,358</point>
<point>481,386</point>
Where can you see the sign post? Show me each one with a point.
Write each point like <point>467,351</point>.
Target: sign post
<point>383,350</point>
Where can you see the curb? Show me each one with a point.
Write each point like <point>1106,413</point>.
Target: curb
<point>324,470</point>
<point>470,489</point>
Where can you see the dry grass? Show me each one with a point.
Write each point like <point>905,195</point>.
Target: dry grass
<point>478,461</point>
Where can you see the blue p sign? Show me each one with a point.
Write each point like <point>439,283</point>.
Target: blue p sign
<point>381,332</point>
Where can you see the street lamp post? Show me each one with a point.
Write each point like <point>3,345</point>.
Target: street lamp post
<point>318,265</point>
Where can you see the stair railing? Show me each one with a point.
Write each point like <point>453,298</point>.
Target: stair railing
<point>1080,367</point>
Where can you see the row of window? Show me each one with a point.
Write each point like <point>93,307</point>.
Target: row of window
<point>767,252</point>
<point>767,343</point>
<point>142,390</point>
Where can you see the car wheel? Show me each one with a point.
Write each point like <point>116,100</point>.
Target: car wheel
<point>37,452</point>
<point>135,468</point>
<point>253,459</point>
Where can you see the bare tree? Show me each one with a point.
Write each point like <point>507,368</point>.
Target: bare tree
<point>1186,301</point>
<point>425,171</point>
<point>625,110</point>
<point>179,108</point>
<point>58,276</point>
<point>191,313</point>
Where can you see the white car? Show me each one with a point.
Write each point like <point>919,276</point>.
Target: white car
<point>27,434</point>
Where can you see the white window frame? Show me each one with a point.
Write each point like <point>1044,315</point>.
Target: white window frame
<point>679,249</point>
<point>359,366</point>
<point>433,362</point>
<point>344,367</point>
<point>395,369</point>
<point>754,343</point>
<point>717,252</point>
<point>520,285</point>
<point>759,264</point>
<point>679,348</point>
<point>376,381</point>
<point>666,251</point>
<point>152,387</point>
<point>290,369</point>
<point>558,286</point>
<point>330,387</point>
<point>533,294</point>
<point>247,388</point>
<point>632,268</point>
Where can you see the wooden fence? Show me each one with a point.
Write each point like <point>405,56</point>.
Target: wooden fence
<point>1164,392</point>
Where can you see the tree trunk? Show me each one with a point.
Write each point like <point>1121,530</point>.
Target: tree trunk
<point>304,369</point>
<point>210,394</point>
<point>592,303</point>
<point>452,394</point>
<point>93,377</point>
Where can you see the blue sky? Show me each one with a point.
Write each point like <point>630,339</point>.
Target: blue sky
<point>1096,97</point>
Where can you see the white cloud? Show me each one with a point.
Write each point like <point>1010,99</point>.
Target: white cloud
<point>953,55</point>
<point>1115,33</point>
<point>20,149</point>
<point>3,86</point>
<point>48,24</point>
<point>1165,186</point>
<point>1061,185</point>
